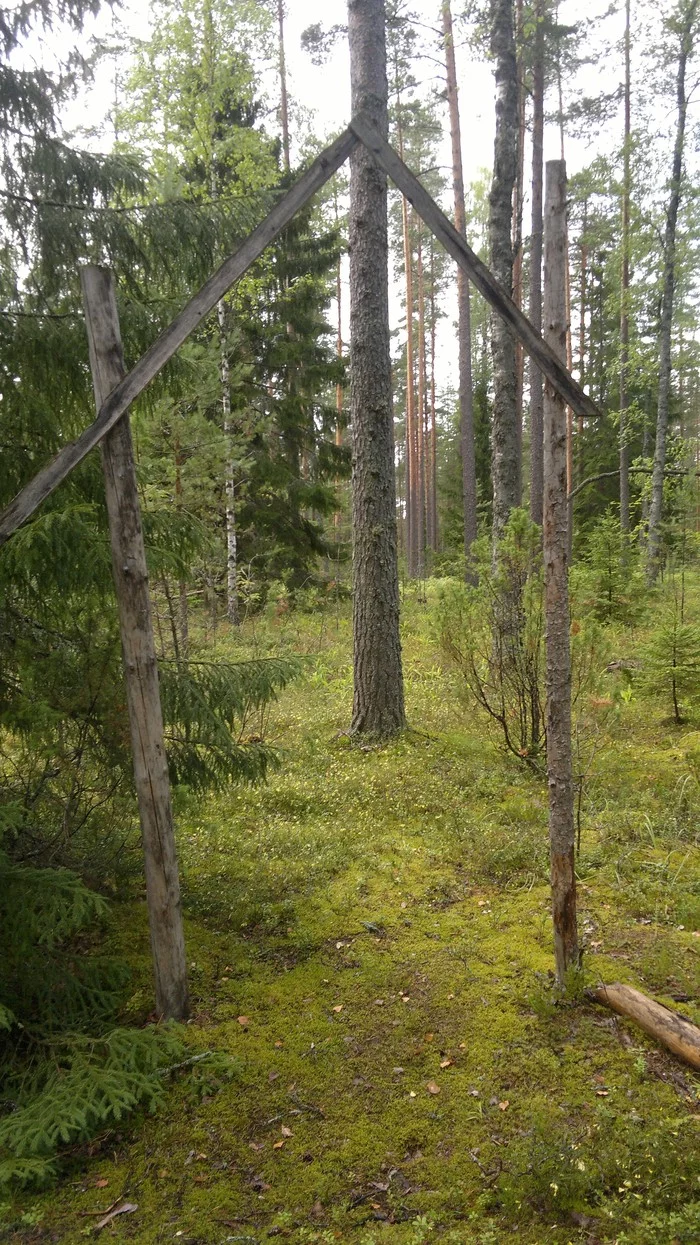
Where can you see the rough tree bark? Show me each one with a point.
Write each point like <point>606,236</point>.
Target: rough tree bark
<point>536,380</point>
<point>378,701</point>
<point>505,439</point>
<point>556,545</point>
<point>139,654</point>
<point>464,331</point>
<point>686,37</point>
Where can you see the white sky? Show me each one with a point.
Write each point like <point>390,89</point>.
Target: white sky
<point>320,97</point>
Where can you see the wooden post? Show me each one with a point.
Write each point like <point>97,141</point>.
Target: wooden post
<point>555,542</point>
<point>138,649</point>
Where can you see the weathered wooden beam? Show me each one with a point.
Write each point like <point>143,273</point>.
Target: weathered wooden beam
<point>545,358</point>
<point>555,544</point>
<point>138,650</point>
<point>150,364</point>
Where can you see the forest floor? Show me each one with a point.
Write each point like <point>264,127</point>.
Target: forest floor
<point>369,939</point>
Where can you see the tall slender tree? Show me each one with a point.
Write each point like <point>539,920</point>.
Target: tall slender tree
<point>505,438</point>
<point>535,375</point>
<point>625,292</point>
<point>466,393</point>
<point>683,30</point>
<point>378,701</point>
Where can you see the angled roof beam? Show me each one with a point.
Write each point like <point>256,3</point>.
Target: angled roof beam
<point>480,276</point>
<point>170,340</point>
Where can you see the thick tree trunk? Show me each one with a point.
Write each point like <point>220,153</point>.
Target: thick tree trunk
<point>464,331</point>
<point>669,284</point>
<point>556,543</point>
<point>378,702</point>
<point>536,380</point>
<point>624,298</point>
<point>505,439</point>
<point>138,649</point>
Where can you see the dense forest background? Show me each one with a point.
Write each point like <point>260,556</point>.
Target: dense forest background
<point>156,154</point>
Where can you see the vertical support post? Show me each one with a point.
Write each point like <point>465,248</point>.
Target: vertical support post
<point>555,542</point>
<point>139,654</point>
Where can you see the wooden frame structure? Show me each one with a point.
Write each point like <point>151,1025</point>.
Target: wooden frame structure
<point>114,394</point>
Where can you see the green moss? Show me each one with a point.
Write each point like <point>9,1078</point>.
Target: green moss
<point>380,920</point>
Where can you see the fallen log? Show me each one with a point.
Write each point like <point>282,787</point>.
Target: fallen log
<point>675,1032</point>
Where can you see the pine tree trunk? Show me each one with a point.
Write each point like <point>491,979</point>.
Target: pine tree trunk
<point>556,543</point>
<point>505,439</point>
<point>669,284</point>
<point>378,702</point>
<point>536,380</point>
<point>466,394</point>
<point>624,299</point>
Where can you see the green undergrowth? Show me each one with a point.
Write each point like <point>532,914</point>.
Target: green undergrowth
<point>369,940</point>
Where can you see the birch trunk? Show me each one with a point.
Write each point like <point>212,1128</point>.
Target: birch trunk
<point>669,285</point>
<point>505,440</point>
<point>378,701</point>
<point>464,331</point>
<point>555,542</point>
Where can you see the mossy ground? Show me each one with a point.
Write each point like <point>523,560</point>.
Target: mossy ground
<point>373,925</point>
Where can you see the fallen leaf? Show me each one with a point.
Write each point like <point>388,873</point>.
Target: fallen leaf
<point>428,1037</point>
<point>450,996</point>
<point>243,1020</point>
<point>126,1208</point>
<point>163,1173</point>
<point>286,1132</point>
<point>101,1184</point>
<point>503,1106</point>
<point>256,1145</point>
<point>379,1002</point>
<point>338,1007</point>
<point>602,1093</point>
<point>279,1044</point>
<point>273,1076</point>
<point>397,1071</point>
<point>463,1046</point>
<point>446,1063</point>
<point>412,1094</point>
<point>432,1088</point>
<point>278,1145</point>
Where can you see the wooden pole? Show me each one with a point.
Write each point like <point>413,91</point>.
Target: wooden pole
<point>138,649</point>
<point>556,544</point>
